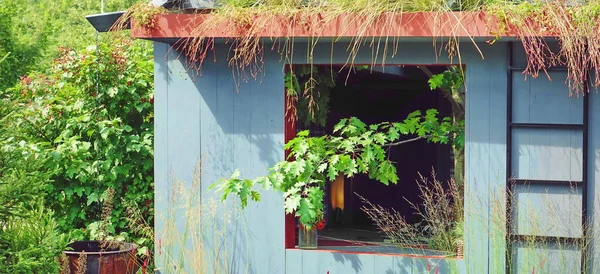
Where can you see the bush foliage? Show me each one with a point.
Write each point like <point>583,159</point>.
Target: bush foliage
<point>89,120</point>
<point>30,241</point>
<point>75,126</point>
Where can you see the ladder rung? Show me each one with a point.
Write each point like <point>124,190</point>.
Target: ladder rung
<point>545,182</point>
<point>544,239</point>
<point>547,126</point>
<point>550,69</point>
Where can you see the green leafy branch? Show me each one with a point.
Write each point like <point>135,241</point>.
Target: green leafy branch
<point>451,84</point>
<point>355,148</point>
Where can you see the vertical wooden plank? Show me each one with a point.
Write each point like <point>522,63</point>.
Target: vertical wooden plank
<point>242,108</point>
<point>485,154</point>
<point>477,151</point>
<point>593,201</point>
<point>183,135</point>
<point>216,88</point>
<point>161,84</point>
<point>267,218</point>
<point>495,66</point>
<point>184,118</point>
<point>257,141</point>
<point>242,128</point>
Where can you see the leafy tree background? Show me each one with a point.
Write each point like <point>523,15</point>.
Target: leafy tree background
<point>33,30</point>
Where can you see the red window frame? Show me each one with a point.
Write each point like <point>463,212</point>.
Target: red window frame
<point>290,133</point>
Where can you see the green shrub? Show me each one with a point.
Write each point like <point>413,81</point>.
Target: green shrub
<point>30,241</point>
<point>31,244</point>
<point>91,119</point>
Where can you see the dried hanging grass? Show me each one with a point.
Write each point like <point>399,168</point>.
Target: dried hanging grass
<point>574,24</point>
<point>248,24</point>
<point>442,211</point>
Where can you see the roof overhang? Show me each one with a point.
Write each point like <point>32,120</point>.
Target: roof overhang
<point>104,21</point>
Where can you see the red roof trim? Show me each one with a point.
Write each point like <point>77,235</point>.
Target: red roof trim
<point>402,25</point>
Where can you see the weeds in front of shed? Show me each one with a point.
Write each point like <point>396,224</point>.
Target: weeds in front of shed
<point>198,235</point>
<point>544,213</point>
<point>145,231</point>
<point>533,217</point>
<point>392,224</point>
<point>195,234</point>
<point>442,211</point>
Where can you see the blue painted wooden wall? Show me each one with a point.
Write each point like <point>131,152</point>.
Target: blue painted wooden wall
<point>206,119</point>
<point>593,201</point>
<point>203,121</point>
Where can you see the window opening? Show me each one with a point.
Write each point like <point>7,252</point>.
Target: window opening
<point>375,95</point>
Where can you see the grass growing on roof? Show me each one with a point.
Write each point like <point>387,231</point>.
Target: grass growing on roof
<point>574,23</point>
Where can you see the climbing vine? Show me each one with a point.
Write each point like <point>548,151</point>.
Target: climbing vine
<point>354,148</point>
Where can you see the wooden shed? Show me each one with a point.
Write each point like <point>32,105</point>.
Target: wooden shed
<point>522,133</point>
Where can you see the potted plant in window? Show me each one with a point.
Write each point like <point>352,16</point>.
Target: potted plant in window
<point>308,235</point>
<point>105,254</point>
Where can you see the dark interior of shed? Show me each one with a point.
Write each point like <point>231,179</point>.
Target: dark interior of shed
<point>376,95</point>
